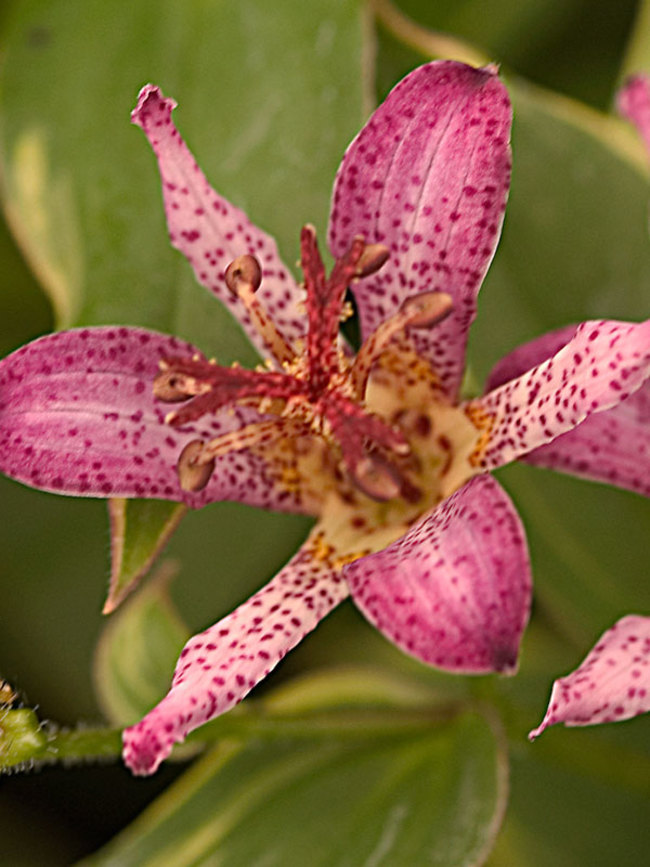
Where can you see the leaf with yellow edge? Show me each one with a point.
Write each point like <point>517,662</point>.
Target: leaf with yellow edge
<point>139,531</point>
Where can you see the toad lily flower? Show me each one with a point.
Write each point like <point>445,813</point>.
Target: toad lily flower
<point>613,682</point>
<point>378,446</point>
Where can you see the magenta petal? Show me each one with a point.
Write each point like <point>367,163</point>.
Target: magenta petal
<point>455,590</point>
<point>634,103</point>
<point>208,230</point>
<point>612,684</point>
<point>428,175</point>
<point>600,367</point>
<point>611,446</point>
<point>528,355</point>
<point>78,416</point>
<point>221,665</point>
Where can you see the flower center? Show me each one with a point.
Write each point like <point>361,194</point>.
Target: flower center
<point>377,423</point>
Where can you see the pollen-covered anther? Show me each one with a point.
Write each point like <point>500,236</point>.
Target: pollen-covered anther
<point>193,473</point>
<point>372,259</point>
<point>427,308</point>
<point>173,387</point>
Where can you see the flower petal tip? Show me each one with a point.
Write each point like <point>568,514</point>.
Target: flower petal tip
<point>454,592</point>
<point>635,93</point>
<point>151,99</point>
<point>506,663</point>
<point>143,751</point>
<point>633,103</point>
<point>535,733</point>
<point>612,683</point>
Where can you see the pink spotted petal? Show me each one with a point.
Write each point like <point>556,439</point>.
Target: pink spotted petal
<point>612,684</point>
<point>455,591</point>
<point>600,367</point>
<point>221,665</point>
<point>528,355</point>
<point>634,104</point>
<point>78,416</point>
<point>428,176</point>
<point>208,230</point>
<point>611,446</point>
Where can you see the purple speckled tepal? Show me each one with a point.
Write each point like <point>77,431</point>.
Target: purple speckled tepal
<point>612,684</point>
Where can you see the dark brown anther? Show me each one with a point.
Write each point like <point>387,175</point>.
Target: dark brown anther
<point>377,479</point>
<point>172,387</point>
<point>169,387</point>
<point>243,271</point>
<point>372,259</point>
<point>427,308</point>
<point>193,475</point>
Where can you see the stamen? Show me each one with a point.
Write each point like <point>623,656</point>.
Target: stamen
<point>372,259</point>
<point>244,270</point>
<point>228,386</point>
<point>173,387</point>
<point>250,435</point>
<point>427,309</point>
<point>419,311</point>
<point>318,392</point>
<point>243,278</point>
<point>193,475</point>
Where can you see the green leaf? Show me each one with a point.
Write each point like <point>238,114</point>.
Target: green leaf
<point>139,531</point>
<point>573,46</point>
<point>560,817</point>
<point>269,97</point>
<point>137,652</point>
<point>54,551</point>
<point>346,687</point>
<point>432,795</point>
<point>637,56</point>
<point>24,310</point>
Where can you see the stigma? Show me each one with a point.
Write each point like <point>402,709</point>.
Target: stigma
<point>312,392</point>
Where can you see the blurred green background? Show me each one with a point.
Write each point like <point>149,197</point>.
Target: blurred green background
<point>269,96</point>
